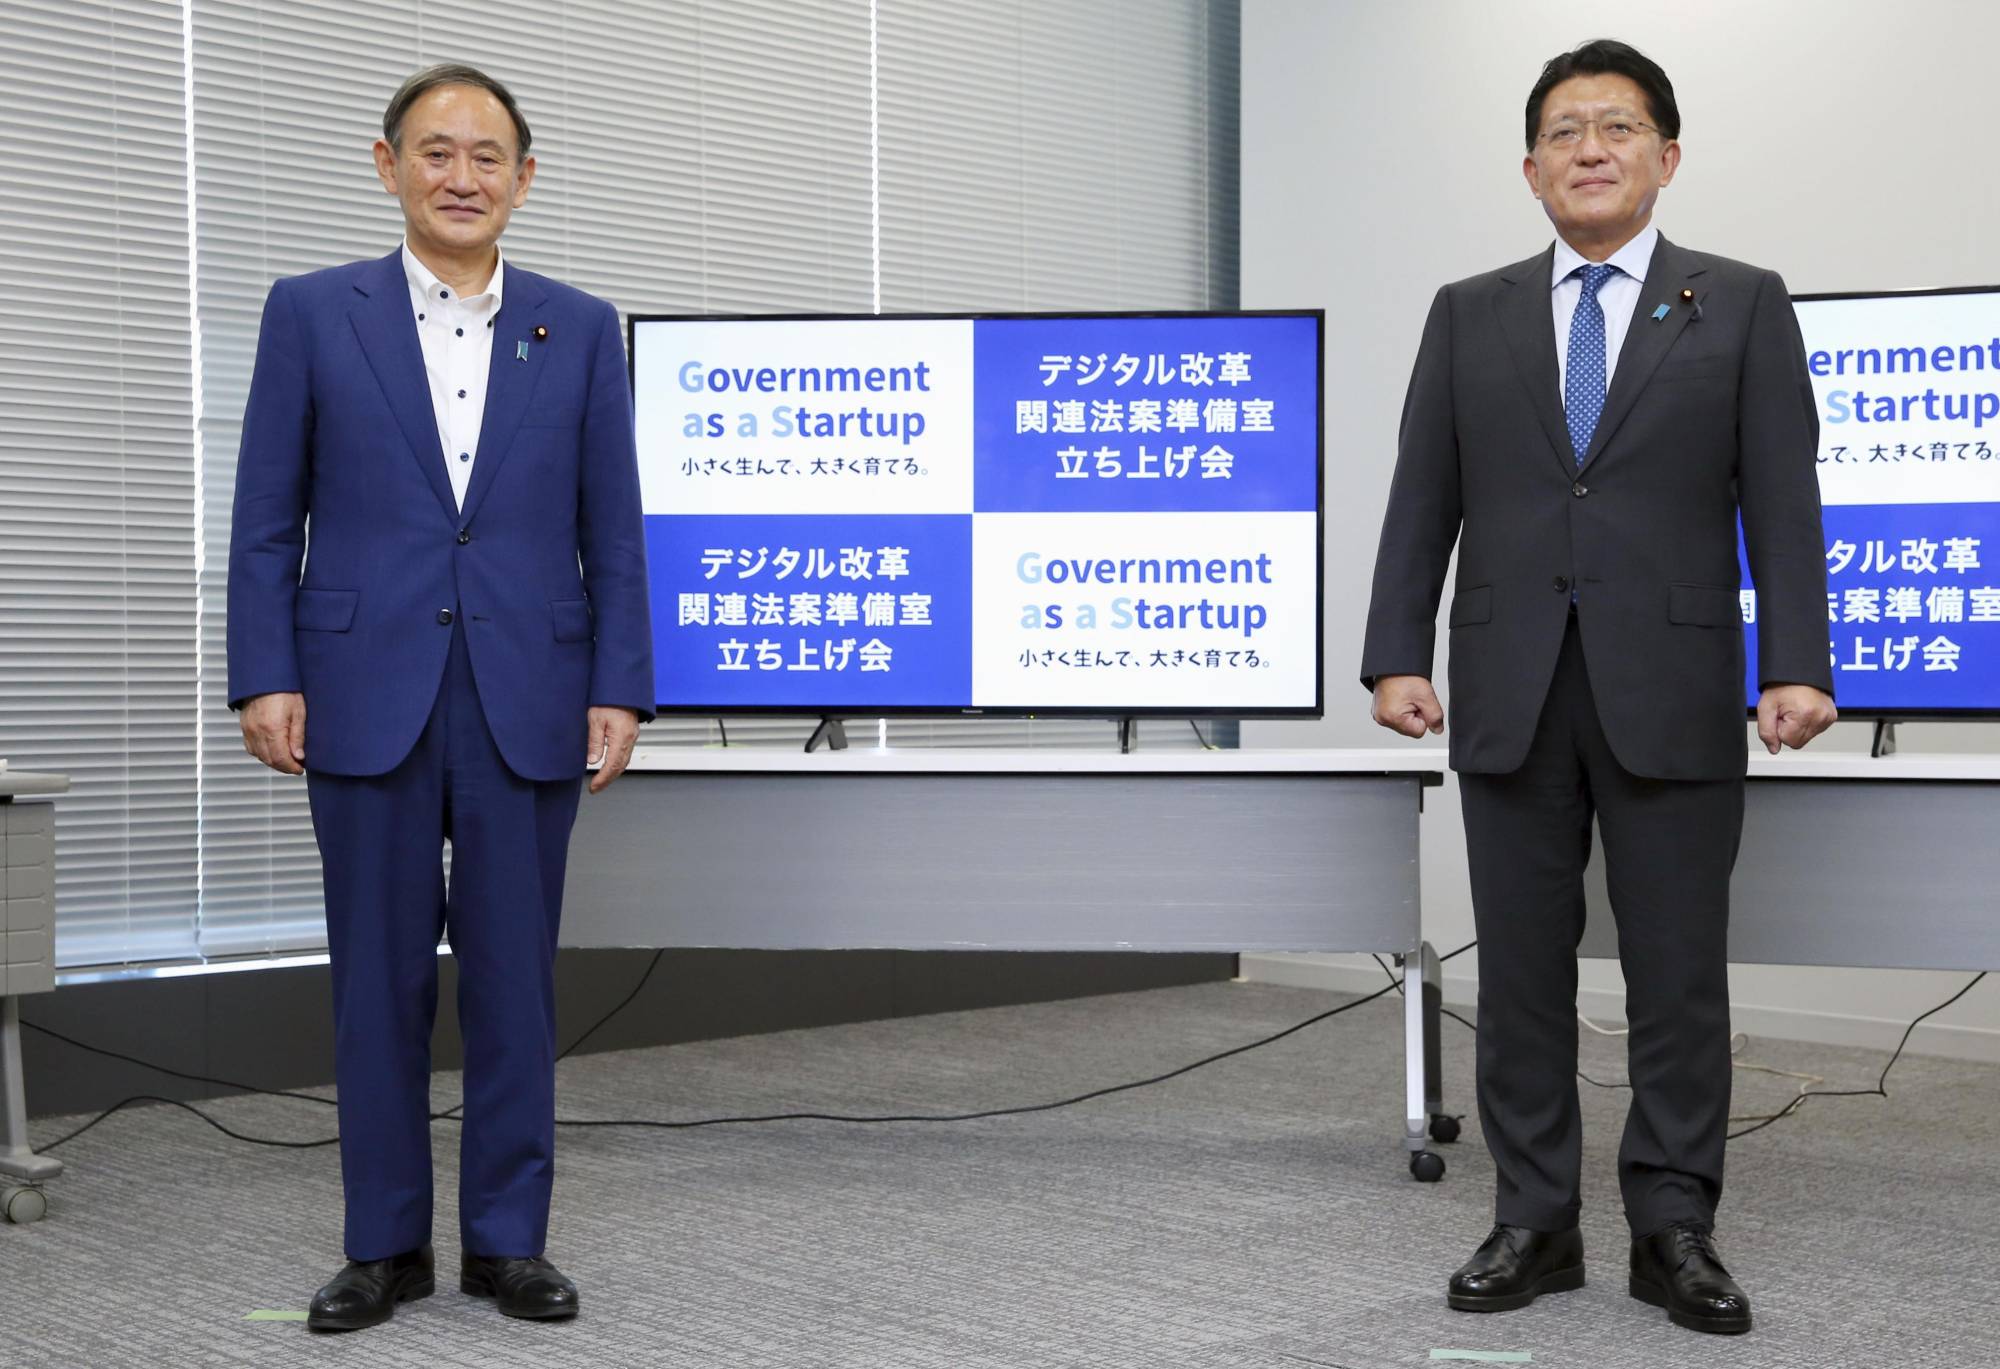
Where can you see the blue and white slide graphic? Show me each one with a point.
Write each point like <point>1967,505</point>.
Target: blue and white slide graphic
<point>1908,389</point>
<point>1087,513</point>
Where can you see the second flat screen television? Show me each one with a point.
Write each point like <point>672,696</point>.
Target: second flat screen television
<point>1907,385</point>
<point>1048,514</point>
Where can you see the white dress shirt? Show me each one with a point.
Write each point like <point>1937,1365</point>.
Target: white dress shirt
<point>457,338</point>
<point>1618,297</point>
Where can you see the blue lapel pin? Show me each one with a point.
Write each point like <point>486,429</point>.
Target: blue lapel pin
<point>1659,313</point>
<point>521,348</point>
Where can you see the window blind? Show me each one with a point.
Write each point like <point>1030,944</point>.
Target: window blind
<point>701,156</point>
<point>97,497</point>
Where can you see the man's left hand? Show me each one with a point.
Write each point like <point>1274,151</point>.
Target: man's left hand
<point>1792,715</point>
<point>613,733</point>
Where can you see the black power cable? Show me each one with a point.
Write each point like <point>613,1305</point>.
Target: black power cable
<point>170,1072</point>
<point>450,1114</point>
<point>1879,1091</point>
<point>1469,1026</point>
<point>447,1115</point>
<point>123,1103</point>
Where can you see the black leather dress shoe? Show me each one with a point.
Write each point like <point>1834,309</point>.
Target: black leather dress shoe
<point>366,1292</point>
<point>1514,1266</point>
<point>1677,1268</point>
<point>522,1287</point>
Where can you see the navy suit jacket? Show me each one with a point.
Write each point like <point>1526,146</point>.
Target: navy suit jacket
<point>1710,415</point>
<point>544,569</point>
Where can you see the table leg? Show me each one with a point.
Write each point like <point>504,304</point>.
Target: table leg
<point>1423,1113</point>
<point>21,1170</point>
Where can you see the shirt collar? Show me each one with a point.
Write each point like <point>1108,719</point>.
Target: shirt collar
<point>424,285</point>
<point>1632,258</point>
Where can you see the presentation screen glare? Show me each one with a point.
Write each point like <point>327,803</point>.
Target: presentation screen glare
<point>1908,392</point>
<point>1114,515</point>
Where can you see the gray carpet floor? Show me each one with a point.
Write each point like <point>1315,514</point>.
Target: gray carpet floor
<point>1255,1214</point>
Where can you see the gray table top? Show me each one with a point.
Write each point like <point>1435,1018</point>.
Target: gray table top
<point>1427,764</point>
<point>23,783</point>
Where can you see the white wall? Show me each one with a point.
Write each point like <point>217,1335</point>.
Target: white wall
<point>1845,143</point>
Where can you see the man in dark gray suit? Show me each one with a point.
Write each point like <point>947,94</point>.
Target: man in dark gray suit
<point>1587,425</point>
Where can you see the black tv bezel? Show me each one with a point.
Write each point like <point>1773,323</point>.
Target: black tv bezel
<point>869,710</point>
<point>1873,714</point>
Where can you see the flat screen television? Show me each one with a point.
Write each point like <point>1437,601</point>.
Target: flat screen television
<point>1908,390</point>
<point>1113,515</point>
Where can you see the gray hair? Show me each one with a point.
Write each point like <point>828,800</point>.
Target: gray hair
<point>450,74</point>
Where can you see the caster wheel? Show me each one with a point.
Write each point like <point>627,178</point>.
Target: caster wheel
<point>23,1205</point>
<point>1444,1128</point>
<point>1426,1167</point>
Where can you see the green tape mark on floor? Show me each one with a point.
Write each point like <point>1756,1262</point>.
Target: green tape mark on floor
<point>1486,1356</point>
<point>266,1314</point>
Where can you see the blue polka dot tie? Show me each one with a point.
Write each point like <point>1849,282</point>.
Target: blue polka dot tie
<point>1584,376</point>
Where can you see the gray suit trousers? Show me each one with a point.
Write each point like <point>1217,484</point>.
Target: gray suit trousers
<point>1669,846</point>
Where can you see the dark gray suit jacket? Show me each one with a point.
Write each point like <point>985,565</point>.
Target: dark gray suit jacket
<point>1710,413</point>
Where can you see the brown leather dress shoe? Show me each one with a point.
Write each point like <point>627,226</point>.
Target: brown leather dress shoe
<point>531,1288</point>
<point>1513,1266</point>
<point>1677,1268</point>
<point>365,1292</point>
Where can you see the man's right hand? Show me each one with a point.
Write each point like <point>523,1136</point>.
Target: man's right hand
<point>1407,704</point>
<point>274,731</point>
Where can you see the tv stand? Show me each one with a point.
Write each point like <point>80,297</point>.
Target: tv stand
<point>830,730</point>
<point>1884,743</point>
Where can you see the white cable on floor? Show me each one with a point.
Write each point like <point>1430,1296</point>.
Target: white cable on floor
<point>1603,1031</point>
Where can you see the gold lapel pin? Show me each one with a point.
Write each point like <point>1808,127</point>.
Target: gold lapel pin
<point>542,331</point>
<point>1687,297</point>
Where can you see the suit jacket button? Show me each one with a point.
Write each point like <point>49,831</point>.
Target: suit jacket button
<point>1562,584</point>
<point>1579,489</point>
<point>444,615</point>
<point>464,536</point>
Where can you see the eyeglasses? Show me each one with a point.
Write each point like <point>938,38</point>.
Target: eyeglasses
<point>1615,129</point>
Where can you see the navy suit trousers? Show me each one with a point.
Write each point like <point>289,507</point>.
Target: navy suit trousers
<point>381,839</point>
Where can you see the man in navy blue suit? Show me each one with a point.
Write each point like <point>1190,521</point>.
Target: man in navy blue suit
<point>466,635</point>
